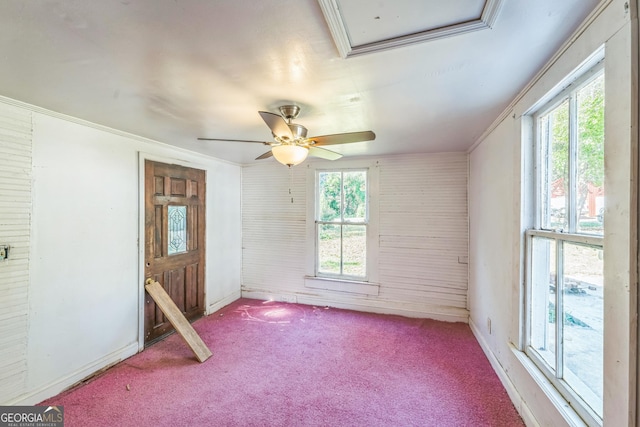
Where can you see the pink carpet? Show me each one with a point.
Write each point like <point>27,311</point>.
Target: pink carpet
<point>278,364</point>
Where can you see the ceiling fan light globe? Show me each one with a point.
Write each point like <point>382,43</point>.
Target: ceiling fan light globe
<point>290,155</point>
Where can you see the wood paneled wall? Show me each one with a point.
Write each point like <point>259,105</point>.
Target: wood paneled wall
<point>15,218</point>
<point>424,229</point>
<point>423,236</point>
<point>273,227</point>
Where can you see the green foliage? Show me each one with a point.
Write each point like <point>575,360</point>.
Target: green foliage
<point>590,138</point>
<point>355,194</point>
<point>559,122</point>
<point>591,133</point>
<point>331,187</point>
<point>330,195</point>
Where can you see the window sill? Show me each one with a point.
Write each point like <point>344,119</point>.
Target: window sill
<point>560,403</point>
<point>341,285</point>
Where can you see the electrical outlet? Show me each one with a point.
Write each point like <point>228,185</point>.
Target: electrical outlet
<point>4,252</point>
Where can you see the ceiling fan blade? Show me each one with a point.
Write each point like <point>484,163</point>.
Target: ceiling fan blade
<point>323,153</point>
<point>277,124</point>
<point>265,155</point>
<point>233,140</point>
<point>343,138</point>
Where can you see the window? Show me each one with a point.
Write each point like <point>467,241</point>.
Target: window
<point>341,222</point>
<point>565,246</point>
<point>342,227</point>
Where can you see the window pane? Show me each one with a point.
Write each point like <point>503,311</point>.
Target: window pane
<point>543,288</point>
<point>329,196</point>
<point>329,250</point>
<point>177,237</point>
<point>583,322</point>
<point>355,196</point>
<point>590,194</point>
<point>354,250</point>
<point>554,140</point>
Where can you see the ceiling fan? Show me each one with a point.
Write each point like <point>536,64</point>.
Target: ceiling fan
<point>291,145</point>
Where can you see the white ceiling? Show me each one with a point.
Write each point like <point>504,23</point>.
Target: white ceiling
<point>177,70</point>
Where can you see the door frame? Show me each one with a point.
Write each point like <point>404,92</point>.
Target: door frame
<point>142,157</point>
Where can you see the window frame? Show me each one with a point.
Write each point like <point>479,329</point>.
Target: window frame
<point>341,223</point>
<point>358,286</point>
<point>566,94</point>
<point>558,236</point>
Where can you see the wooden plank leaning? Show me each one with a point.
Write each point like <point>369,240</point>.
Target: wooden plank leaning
<point>177,319</point>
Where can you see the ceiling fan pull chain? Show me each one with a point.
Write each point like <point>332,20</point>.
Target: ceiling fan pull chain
<point>290,182</point>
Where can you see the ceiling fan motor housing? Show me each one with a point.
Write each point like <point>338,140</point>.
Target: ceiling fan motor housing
<point>298,131</point>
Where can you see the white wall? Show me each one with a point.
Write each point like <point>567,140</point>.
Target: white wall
<point>85,279</point>
<point>498,218</point>
<point>421,237</point>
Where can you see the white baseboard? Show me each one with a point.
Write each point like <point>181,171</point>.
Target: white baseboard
<point>571,418</point>
<point>49,390</point>
<point>44,392</point>
<point>516,398</point>
<point>445,314</point>
<point>217,305</point>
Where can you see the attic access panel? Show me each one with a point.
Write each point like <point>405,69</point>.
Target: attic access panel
<point>359,26</point>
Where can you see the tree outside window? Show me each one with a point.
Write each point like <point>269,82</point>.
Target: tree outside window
<point>341,223</point>
<point>581,161</point>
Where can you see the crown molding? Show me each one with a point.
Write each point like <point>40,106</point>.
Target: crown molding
<point>338,29</point>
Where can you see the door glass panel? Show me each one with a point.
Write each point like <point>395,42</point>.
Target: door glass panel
<point>543,297</point>
<point>583,322</point>
<point>177,236</point>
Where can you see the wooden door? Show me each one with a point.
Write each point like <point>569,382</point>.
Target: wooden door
<point>174,242</point>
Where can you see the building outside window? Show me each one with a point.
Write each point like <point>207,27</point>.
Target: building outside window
<point>564,299</point>
<point>341,222</point>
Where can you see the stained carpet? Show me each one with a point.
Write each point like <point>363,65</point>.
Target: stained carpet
<point>278,364</point>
